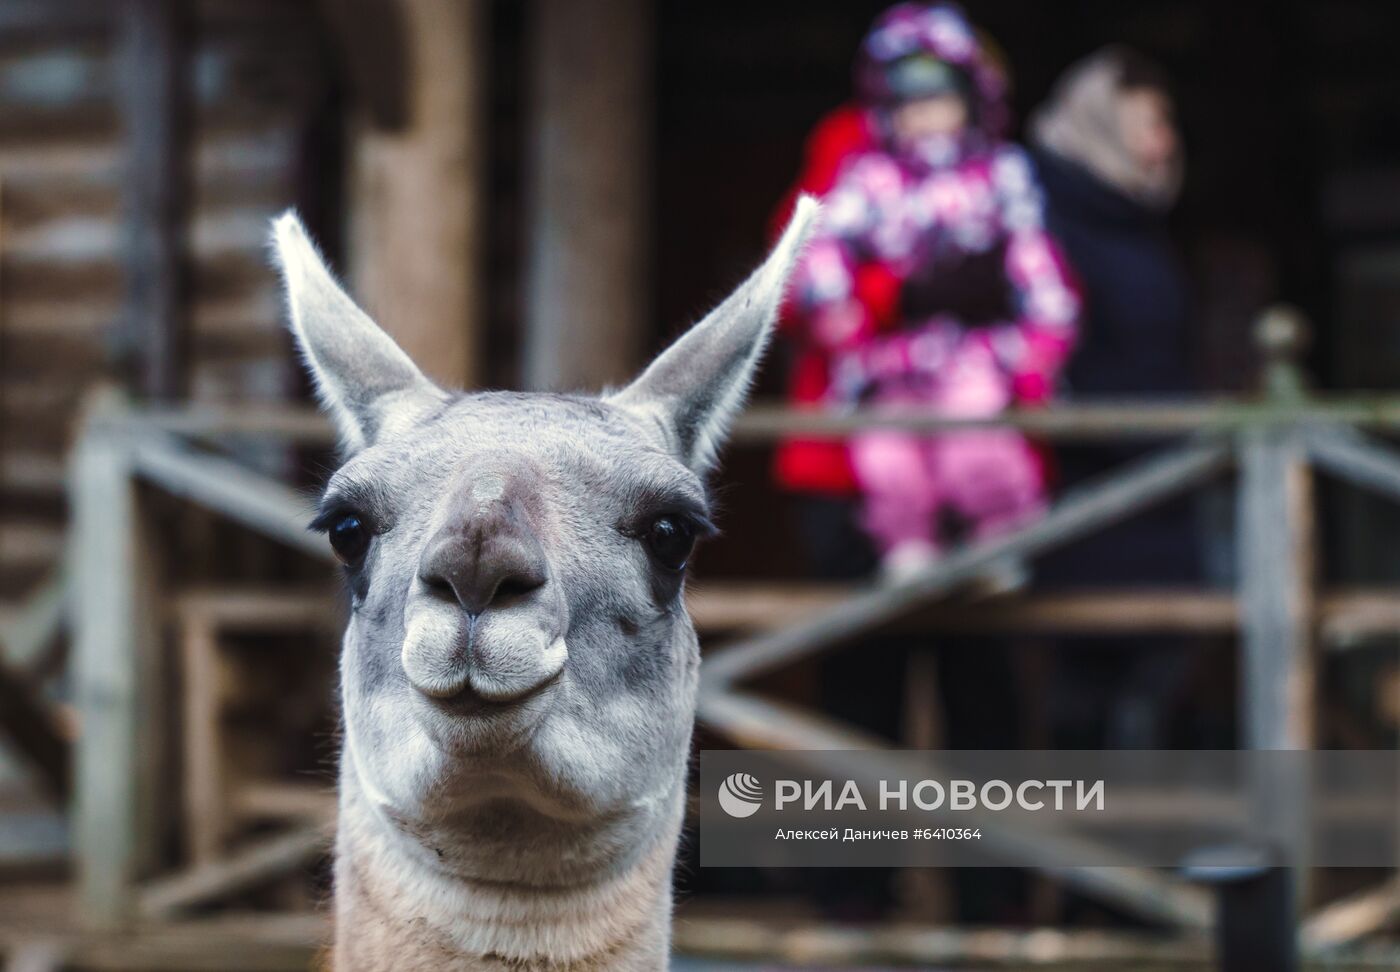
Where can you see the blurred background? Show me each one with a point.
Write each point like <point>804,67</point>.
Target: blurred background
<point>540,194</point>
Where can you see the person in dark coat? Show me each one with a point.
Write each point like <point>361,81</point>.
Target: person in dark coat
<point>1110,163</point>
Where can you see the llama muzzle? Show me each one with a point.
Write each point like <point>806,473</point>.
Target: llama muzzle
<point>498,656</point>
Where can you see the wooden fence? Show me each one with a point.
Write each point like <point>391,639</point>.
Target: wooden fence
<point>1274,445</point>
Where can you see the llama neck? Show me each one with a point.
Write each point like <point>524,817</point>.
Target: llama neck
<point>398,908</point>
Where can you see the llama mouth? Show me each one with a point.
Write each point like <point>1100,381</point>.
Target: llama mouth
<point>468,702</point>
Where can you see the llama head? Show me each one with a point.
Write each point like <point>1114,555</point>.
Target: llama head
<point>516,561</point>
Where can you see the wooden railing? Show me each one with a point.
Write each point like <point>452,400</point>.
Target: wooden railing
<point>1273,443</point>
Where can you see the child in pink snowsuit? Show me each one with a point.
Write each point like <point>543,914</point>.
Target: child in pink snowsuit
<point>986,310</point>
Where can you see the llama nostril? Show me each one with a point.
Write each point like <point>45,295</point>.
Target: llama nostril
<point>515,587</point>
<point>488,562</point>
<point>438,585</point>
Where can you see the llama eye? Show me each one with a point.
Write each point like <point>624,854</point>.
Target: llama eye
<point>670,540</point>
<point>349,539</point>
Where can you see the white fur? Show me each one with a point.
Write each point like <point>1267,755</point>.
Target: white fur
<point>364,380</point>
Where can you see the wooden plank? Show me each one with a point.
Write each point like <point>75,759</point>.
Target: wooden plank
<point>30,725</point>
<point>588,192</point>
<point>417,174</point>
<point>205,800</point>
<point>808,945</point>
<point>1359,459</point>
<point>736,606</point>
<point>1353,917</point>
<point>230,942</point>
<point>288,423</point>
<point>1084,421</point>
<point>28,632</point>
<point>758,723</point>
<point>278,800</point>
<point>767,423</point>
<point>152,93</point>
<point>1276,593</point>
<point>260,609</point>
<point>1347,617</point>
<point>374,50</point>
<point>254,864</point>
<point>39,955</point>
<point>258,502</point>
<point>115,641</point>
<point>1278,665</point>
<point>1116,497</point>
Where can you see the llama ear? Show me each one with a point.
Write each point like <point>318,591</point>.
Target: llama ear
<point>363,378</point>
<point>698,384</point>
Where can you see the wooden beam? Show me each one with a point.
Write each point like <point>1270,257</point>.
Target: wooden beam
<point>254,864</point>
<point>28,632</point>
<point>839,946</point>
<point>1085,421</point>
<point>1359,459</point>
<point>736,607</point>
<point>30,725</point>
<point>589,192</point>
<point>260,609</point>
<point>1116,497</point>
<point>416,254</point>
<point>1353,917</point>
<point>278,800</point>
<point>205,799</point>
<point>758,723</point>
<point>152,95</point>
<point>230,942</point>
<point>39,955</point>
<point>116,671</point>
<point>1345,616</point>
<point>217,423</point>
<point>1275,524</point>
<point>373,43</point>
<point>1277,595</point>
<point>762,424</point>
<point>230,489</point>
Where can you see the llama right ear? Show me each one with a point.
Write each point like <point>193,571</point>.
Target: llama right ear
<point>363,378</point>
<point>697,385</point>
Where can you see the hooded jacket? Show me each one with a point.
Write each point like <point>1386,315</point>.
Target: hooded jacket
<point>922,247</point>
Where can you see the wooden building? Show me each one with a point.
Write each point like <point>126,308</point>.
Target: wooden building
<point>526,194</point>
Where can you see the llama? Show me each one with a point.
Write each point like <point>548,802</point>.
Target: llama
<point>518,675</point>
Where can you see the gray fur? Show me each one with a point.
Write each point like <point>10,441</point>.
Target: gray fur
<point>530,750</point>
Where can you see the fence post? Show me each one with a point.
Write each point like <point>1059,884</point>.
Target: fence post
<point>1277,594</point>
<point>1276,591</point>
<point>115,658</point>
<point>1277,556</point>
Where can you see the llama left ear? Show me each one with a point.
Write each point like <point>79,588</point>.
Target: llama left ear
<point>365,380</point>
<point>697,385</point>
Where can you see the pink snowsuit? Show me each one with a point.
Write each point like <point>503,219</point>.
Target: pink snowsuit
<point>988,309</point>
